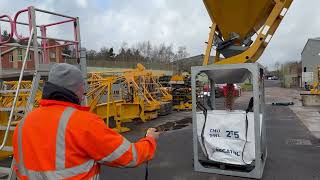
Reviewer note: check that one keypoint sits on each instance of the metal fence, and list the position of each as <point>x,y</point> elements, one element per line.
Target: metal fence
<point>126,64</point>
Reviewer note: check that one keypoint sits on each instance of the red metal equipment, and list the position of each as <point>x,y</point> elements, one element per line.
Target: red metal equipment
<point>43,28</point>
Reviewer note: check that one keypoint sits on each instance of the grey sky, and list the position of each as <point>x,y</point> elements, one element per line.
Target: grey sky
<point>181,23</point>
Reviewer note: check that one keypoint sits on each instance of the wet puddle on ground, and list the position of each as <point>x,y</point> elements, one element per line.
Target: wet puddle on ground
<point>171,126</point>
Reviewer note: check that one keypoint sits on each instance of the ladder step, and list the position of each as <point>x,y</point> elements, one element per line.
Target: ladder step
<point>13,91</point>
<point>4,172</point>
<point>3,128</point>
<point>7,148</point>
<point>9,109</point>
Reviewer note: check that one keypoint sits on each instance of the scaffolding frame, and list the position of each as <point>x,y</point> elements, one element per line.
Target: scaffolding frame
<point>41,67</point>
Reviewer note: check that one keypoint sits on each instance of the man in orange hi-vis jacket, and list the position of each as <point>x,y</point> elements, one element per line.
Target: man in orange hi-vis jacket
<point>62,140</point>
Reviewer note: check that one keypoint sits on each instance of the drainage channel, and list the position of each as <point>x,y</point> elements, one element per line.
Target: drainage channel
<point>171,126</point>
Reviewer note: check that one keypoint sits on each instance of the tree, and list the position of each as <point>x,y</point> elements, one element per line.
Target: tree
<point>169,54</point>
<point>181,53</point>
<point>66,50</point>
<point>140,52</point>
<point>277,66</point>
<point>121,55</point>
<point>92,54</point>
<point>278,69</point>
<point>124,45</point>
<point>111,54</point>
<point>145,48</point>
<point>128,53</point>
<point>5,36</point>
<point>103,53</point>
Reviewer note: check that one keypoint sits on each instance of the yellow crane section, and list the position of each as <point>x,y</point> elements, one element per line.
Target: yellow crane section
<point>129,95</point>
<point>7,93</point>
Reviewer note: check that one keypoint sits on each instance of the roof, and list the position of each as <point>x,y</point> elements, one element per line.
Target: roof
<point>66,55</point>
<point>310,39</point>
<point>197,58</point>
<point>317,38</point>
<point>15,46</point>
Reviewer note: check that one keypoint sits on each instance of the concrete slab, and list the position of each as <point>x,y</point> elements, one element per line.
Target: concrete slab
<point>310,117</point>
<point>310,99</point>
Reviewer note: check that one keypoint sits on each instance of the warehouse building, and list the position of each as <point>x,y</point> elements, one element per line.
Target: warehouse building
<point>310,58</point>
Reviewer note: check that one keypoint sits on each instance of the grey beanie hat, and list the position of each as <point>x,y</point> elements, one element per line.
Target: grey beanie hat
<point>66,76</point>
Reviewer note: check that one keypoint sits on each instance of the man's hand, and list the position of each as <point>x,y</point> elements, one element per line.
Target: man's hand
<point>152,132</point>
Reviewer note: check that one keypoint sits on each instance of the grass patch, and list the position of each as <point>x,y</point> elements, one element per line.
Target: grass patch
<point>246,87</point>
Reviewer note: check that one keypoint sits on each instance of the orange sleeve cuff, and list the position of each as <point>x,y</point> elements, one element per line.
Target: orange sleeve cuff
<point>151,139</point>
<point>152,148</point>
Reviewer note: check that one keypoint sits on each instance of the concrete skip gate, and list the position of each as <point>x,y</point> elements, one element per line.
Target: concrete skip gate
<point>233,73</point>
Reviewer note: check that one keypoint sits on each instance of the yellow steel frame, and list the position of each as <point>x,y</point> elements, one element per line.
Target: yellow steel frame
<point>135,83</point>
<point>138,80</point>
<point>98,87</point>
<point>6,99</point>
<point>177,79</point>
<point>316,85</point>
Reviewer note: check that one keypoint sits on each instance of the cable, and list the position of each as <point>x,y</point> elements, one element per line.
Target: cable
<point>147,171</point>
<point>249,109</point>
<point>205,113</point>
<point>244,146</point>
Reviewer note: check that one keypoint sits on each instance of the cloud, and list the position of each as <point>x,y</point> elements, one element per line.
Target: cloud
<point>82,3</point>
<point>110,23</point>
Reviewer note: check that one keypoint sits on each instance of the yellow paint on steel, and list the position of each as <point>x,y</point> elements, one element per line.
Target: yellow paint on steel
<point>140,96</point>
<point>245,18</point>
<point>4,116</point>
<point>210,44</point>
<point>6,99</point>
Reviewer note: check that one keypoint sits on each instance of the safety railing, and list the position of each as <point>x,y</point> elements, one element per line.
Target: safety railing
<point>33,37</point>
<point>45,45</point>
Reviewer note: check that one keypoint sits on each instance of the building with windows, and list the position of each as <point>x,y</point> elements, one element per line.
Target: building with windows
<point>12,56</point>
<point>310,58</point>
<point>292,74</point>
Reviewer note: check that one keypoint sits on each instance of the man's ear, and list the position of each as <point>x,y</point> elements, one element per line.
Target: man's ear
<point>80,92</point>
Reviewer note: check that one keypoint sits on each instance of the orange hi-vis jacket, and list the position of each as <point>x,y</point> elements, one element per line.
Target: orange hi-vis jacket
<point>61,140</point>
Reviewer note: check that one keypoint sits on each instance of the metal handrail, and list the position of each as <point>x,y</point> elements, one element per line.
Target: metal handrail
<point>54,13</point>
<point>15,24</point>
<point>17,91</point>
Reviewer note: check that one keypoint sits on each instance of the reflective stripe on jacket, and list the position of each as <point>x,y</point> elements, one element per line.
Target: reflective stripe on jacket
<point>61,140</point>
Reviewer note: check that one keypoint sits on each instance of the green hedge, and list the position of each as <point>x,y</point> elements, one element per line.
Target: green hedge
<point>246,87</point>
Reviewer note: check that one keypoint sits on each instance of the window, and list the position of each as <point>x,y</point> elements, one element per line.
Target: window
<point>52,55</point>
<point>10,58</point>
<point>305,69</point>
<point>19,54</point>
<point>29,57</point>
<point>19,51</point>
